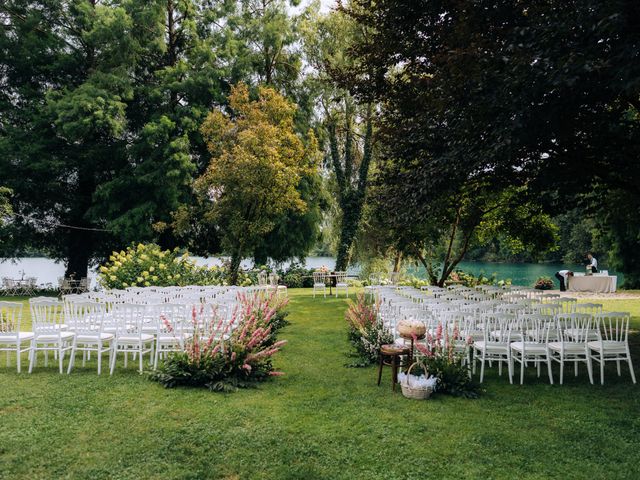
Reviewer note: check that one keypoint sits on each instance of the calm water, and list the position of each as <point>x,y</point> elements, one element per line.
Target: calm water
<point>47,270</point>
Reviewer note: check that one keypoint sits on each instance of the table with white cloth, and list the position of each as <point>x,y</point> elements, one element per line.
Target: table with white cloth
<point>593,283</point>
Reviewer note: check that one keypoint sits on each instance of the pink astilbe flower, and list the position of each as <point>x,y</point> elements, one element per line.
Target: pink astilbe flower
<point>246,338</point>
<point>166,323</point>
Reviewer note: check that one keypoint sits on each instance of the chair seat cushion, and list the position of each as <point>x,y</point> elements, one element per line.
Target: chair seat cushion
<point>609,346</point>
<point>12,337</point>
<point>54,337</point>
<point>88,338</point>
<point>532,347</point>
<point>145,337</point>
<point>342,284</point>
<point>576,332</point>
<point>491,347</point>
<point>569,347</point>
<point>317,285</point>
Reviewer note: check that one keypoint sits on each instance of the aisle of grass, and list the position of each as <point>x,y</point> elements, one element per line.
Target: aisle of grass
<point>321,420</point>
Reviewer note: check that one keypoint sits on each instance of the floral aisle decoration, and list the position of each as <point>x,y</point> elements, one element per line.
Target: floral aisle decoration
<point>543,283</point>
<point>443,352</point>
<point>223,355</point>
<point>366,334</point>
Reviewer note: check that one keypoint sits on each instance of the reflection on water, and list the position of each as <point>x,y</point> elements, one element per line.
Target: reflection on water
<point>48,271</point>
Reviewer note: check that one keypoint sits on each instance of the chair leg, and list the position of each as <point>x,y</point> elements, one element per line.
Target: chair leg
<point>73,356</point>
<point>510,370</point>
<point>482,368</point>
<point>112,358</point>
<point>549,370</point>
<point>561,369</point>
<point>32,356</point>
<point>633,374</point>
<point>589,368</point>
<point>99,356</point>
<point>140,354</point>
<point>618,365</point>
<point>521,369</point>
<point>155,356</point>
<point>60,358</point>
<point>602,368</point>
<point>18,355</point>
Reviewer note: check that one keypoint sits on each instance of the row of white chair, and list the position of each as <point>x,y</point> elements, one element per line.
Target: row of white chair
<point>80,325</point>
<point>488,322</point>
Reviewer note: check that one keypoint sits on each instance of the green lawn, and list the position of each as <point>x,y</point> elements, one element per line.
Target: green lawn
<point>320,421</point>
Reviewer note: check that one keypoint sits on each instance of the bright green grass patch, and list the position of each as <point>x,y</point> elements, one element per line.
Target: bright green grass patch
<point>320,421</point>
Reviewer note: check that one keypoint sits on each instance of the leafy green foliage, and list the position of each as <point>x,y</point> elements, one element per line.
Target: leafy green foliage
<point>5,205</point>
<point>145,265</point>
<point>257,164</point>
<point>347,127</point>
<point>495,95</point>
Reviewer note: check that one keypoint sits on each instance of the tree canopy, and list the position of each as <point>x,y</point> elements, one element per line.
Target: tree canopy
<point>538,96</point>
<point>258,162</point>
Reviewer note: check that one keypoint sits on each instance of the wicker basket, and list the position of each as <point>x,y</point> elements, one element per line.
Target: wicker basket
<point>407,329</point>
<point>415,392</point>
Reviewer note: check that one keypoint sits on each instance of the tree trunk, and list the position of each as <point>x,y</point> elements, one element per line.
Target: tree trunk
<point>79,249</point>
<point>397,262</point>
<point>351,214</point>
<point>234,267</point>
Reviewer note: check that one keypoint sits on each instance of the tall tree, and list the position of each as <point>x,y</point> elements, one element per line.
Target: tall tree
<point>257,164</point>
<point>177,80</point>
<point>264,34</point>
<point>65,75</point>
<point>537,95</point>
<point>347,125</point>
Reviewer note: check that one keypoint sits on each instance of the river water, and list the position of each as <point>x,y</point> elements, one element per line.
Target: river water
<point>47,271</point>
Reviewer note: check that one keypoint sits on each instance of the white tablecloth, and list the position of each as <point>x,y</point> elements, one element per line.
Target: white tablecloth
<point>593,283</point>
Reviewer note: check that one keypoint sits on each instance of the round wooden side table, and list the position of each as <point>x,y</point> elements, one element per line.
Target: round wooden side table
<point>391,355</point>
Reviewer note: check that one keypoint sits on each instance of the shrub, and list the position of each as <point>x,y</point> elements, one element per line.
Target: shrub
<point>148,265</point>
<point>441,359</point>
<point>469,280</point>
<point>228,356</point>
<point>296,276</point>
<point>365,334</point>
<point>543,283</point>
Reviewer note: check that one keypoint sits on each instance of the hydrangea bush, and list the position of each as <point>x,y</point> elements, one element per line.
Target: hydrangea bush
<point>147,265</point>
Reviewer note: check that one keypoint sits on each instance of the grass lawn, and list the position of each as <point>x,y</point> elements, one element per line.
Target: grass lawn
<point>320,421</point>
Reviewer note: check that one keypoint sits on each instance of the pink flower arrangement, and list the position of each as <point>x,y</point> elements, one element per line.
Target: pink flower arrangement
<point>240,346</point>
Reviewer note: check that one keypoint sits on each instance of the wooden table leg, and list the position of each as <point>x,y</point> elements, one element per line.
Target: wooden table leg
<point>380,368</point>
<point>394,371</point>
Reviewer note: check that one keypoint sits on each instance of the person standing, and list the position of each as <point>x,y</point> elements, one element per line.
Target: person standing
<point>563,278</point>
<point>593,263</point>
